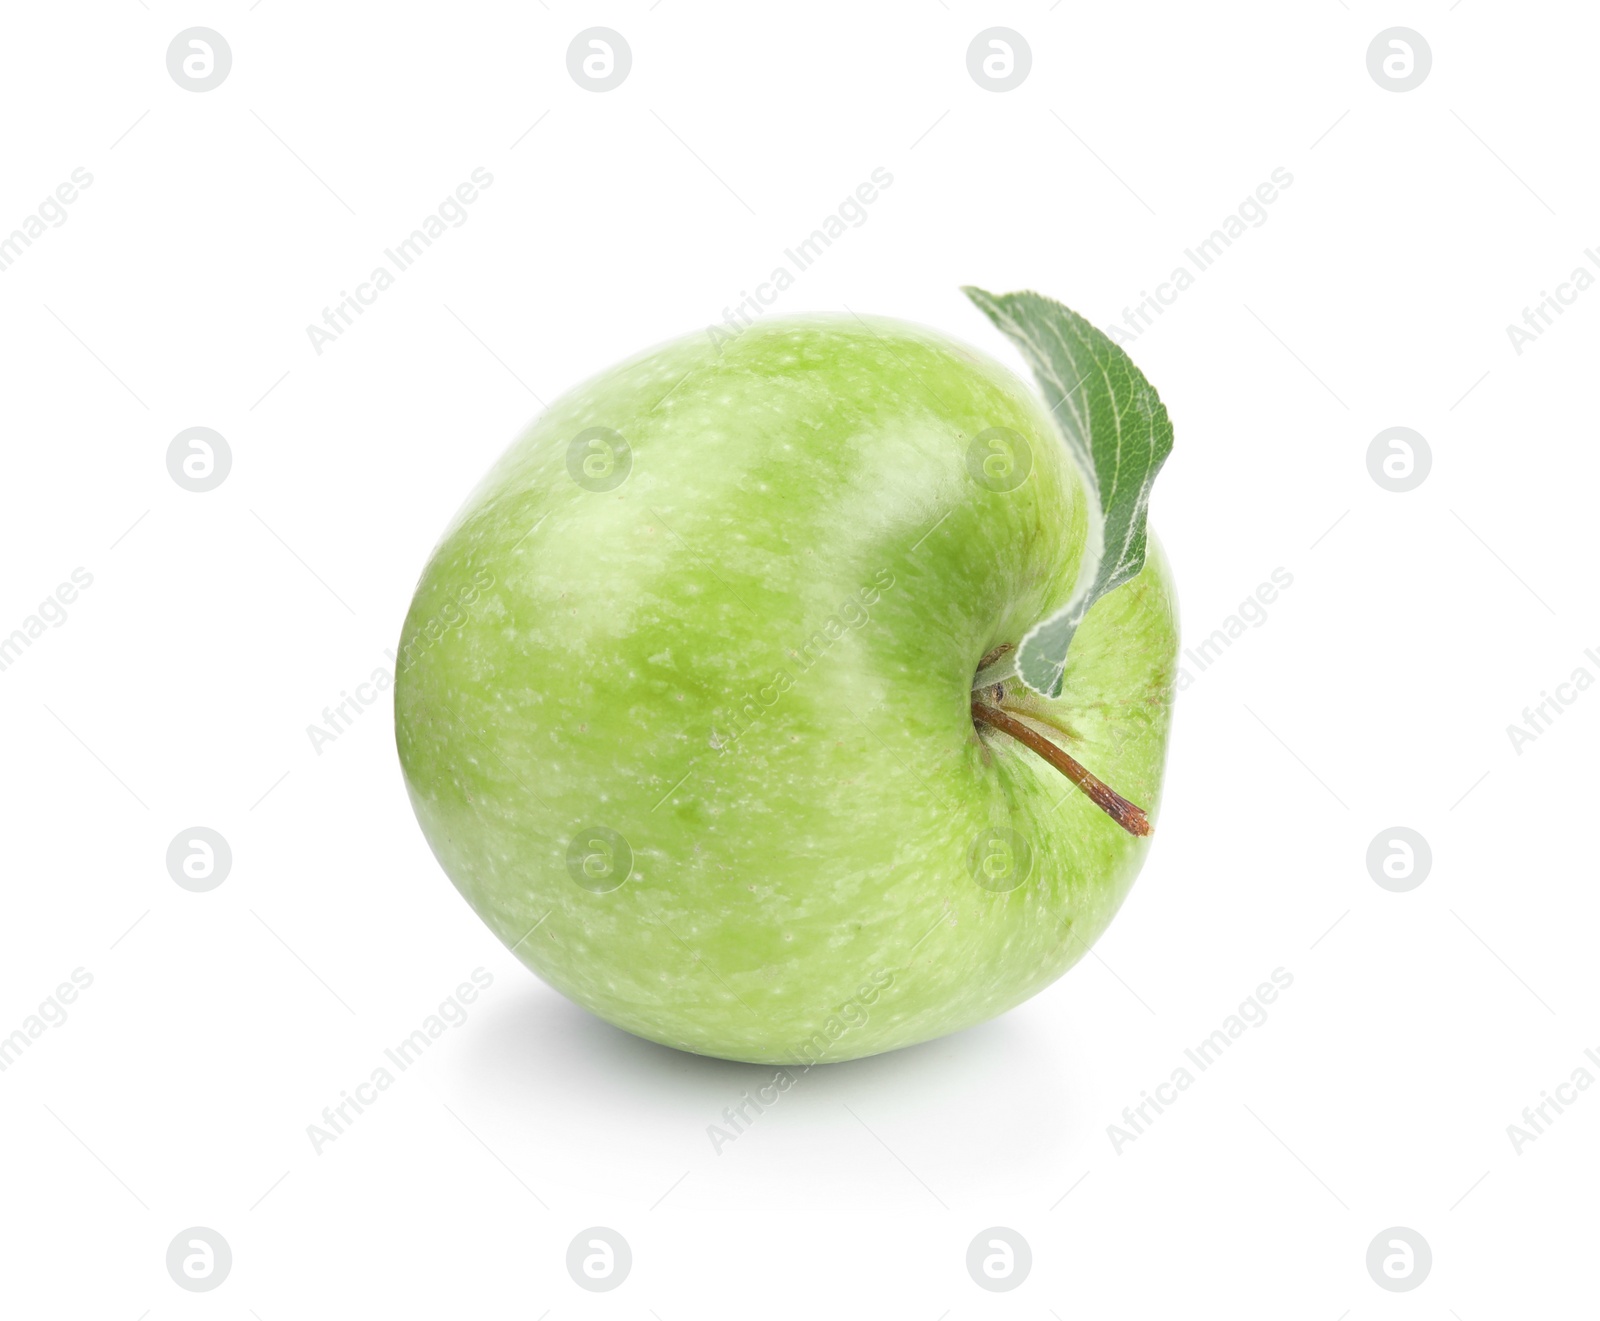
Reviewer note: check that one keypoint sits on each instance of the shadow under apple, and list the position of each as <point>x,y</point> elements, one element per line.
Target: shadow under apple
<point>580,1089</point>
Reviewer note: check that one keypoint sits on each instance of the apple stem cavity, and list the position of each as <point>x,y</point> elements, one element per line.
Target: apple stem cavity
<point>997,670</point>
<point>1108,800</point>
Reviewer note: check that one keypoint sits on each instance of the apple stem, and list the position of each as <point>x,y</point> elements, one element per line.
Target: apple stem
<point>1108,800</point>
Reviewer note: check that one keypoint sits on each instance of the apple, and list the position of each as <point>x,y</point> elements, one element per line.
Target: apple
<point>685,698</point>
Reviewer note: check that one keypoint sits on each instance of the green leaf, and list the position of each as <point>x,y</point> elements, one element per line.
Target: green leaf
<point>1118,433</point>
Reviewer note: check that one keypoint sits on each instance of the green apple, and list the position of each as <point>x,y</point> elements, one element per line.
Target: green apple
<point>685,696</point>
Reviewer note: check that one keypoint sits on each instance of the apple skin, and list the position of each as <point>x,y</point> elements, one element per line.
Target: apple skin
<point>752,661</point>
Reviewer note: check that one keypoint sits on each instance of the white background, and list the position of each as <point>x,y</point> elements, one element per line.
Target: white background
<point>1378,692</point>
